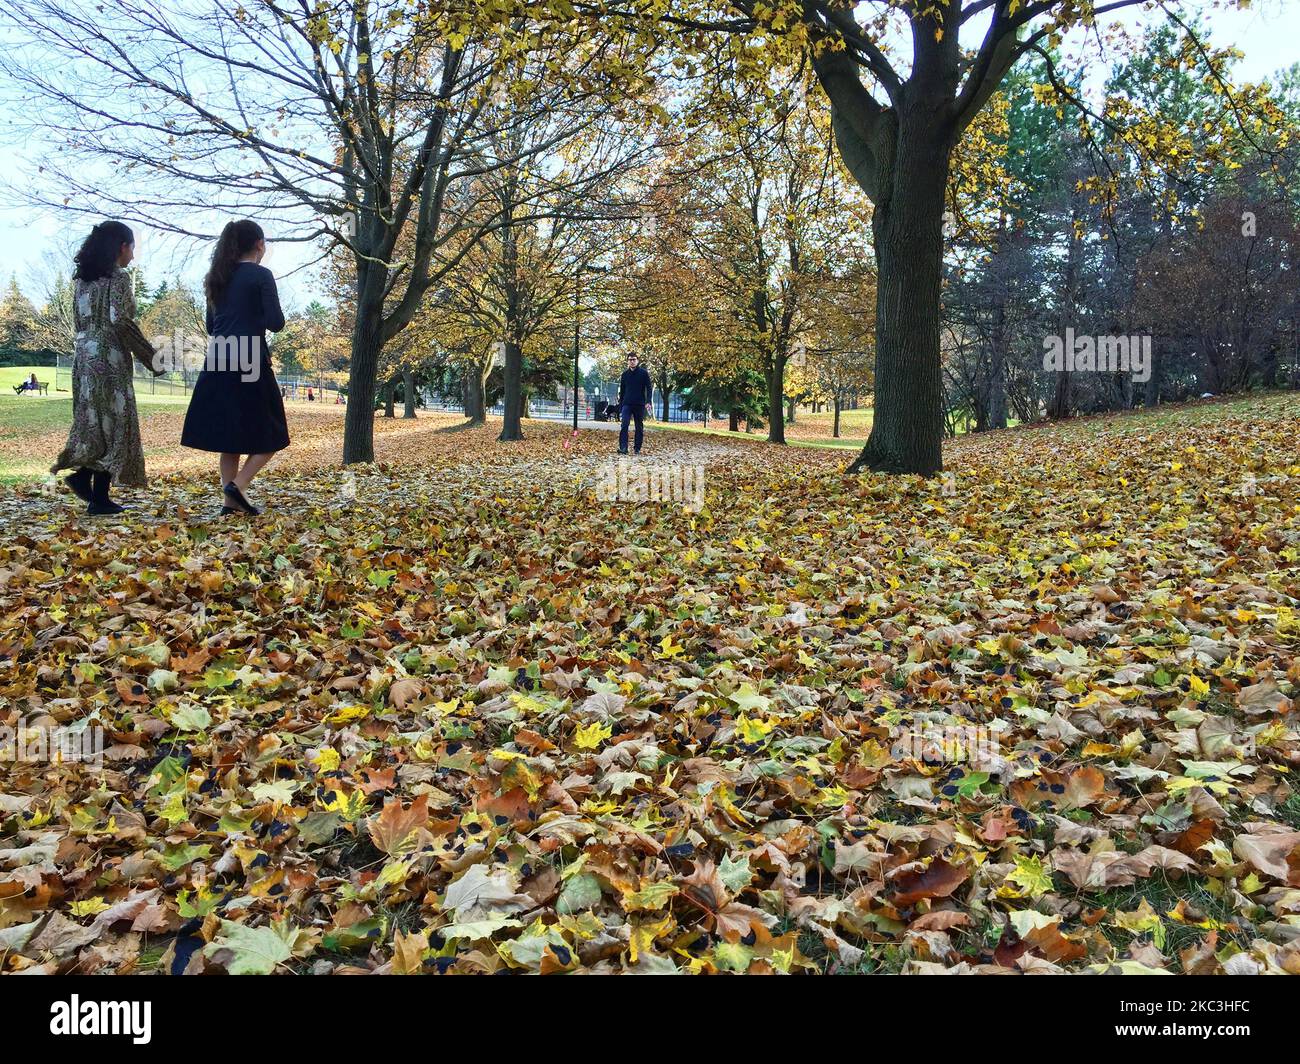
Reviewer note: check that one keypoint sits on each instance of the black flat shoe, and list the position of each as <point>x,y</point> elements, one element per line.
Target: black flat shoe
<point>235,498</point>
<point>79,484</point>
<point>104,509</point>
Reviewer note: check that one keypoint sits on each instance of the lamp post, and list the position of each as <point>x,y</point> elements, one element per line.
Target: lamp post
<point>577,329</point>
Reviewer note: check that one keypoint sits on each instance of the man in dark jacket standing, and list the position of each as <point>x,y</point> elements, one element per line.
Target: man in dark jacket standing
<point>634,391</point>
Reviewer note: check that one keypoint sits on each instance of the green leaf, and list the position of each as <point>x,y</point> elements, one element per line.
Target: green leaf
<point>257,950</point>
<point>580,892</point>
<point>736,875</point>
<point>191,718</point>
<point>732,956</point>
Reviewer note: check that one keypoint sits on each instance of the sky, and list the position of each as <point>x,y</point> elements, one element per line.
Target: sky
<point>32,243</point>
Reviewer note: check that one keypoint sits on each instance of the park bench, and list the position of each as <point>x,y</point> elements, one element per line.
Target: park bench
<point>43,387</point>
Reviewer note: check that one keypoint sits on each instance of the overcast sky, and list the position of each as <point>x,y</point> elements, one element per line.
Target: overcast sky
<point>1267,33</point>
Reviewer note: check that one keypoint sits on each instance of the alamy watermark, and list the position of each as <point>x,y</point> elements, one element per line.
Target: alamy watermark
<point>1072,353</point>
<point>77,1017</point>
<point>969,744</point>
<point>625,481</point>
<point>220,354</point>
<point>347,492</point>
<point>51,745</point>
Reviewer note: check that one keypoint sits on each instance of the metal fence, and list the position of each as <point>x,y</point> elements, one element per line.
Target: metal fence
<point>588,406</point>
<point>181,383</point>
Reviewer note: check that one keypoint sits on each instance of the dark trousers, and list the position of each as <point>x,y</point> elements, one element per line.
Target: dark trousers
<point>630,413</point>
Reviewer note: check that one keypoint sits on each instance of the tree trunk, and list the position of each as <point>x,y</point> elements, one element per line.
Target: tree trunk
<point>1061,400</point>
<point>408,392</point>
<point>359,419</point>
<point>907,229</point>
<point>836,433</point>
<point>1151,390</point>
<point>733,421</point>
<point>390,390</point>
<point>512,401</point>
<point>475,398</point>
<point>513,368</point>
<point>997,394</point>
<point>789,417</point>
<point>775,400</point>
<point>664,396</point>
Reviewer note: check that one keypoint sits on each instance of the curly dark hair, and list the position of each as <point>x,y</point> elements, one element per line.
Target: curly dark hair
<point>99,252</point>
<point>237,239</point>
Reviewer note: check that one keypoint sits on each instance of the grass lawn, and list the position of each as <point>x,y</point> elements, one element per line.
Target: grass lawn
<point>10,376</point>
<point>31,430</point>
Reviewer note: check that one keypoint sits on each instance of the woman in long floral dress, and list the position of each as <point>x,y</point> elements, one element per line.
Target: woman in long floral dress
<point>104,442</point>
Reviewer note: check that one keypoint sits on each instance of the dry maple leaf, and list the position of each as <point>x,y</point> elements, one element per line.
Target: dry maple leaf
<point>394,829</point>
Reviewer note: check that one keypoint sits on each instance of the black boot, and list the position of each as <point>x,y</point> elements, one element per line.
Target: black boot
<point>100,503</point>
<point>79,484</point>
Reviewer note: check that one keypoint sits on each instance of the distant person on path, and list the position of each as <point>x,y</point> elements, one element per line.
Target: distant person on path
<point>311,396</point>
<point>104,441</point>
<point>236,407</point>
<point>634,391</point>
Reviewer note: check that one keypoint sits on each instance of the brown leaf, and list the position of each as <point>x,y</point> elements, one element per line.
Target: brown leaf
<point>705,887</point>
<point>1270,853</point>
<point>940,920</point>
<point>393,830</point>
<point>939,880</point>
<point>404,692</point>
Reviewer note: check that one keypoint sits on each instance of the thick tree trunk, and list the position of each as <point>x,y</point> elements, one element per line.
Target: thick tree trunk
<point>408,392</point>
<point>390,390</point>
<point>664,396</point>
<point>475,398</point>
<point>513,400</point>
<point>775,401</point>
<point>907,429</point>
<point>359,418</point>
<point>513,362</point>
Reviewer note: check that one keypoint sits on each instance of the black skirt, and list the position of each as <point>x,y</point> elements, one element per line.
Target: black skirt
<point>232,414</point>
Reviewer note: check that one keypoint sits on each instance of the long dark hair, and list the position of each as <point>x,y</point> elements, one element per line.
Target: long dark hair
<point>99,252</point>
<point>237,239</point>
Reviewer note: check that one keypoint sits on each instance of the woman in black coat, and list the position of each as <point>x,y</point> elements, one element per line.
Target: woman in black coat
<point>236,407</point>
